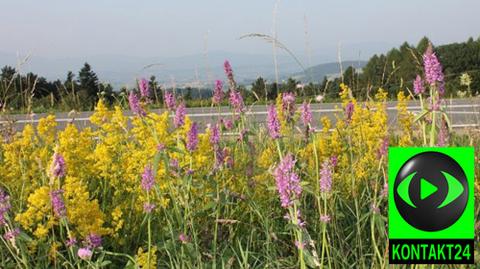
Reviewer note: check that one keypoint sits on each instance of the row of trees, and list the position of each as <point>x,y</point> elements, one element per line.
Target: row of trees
<point>392,71</point>
<point>27,91</point>
<point>397,68</point>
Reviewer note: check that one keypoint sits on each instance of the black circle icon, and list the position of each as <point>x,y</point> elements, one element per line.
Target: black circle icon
<point>421,199</point>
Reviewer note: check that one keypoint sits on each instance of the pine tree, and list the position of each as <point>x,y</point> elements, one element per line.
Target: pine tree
<point>88,83</point>
<point>422,45</point>
<point>259,88</point>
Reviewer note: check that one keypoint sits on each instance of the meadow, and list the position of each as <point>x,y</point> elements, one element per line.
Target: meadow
<point>156,191</point>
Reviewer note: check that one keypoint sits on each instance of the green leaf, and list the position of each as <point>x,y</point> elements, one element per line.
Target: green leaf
<point>290,227</point>
<point>130,265</point>
<point>447,120</point>
<point>271,188</point>
<point>421,115</point>
<point>209,206</point>
<point>105,263</point>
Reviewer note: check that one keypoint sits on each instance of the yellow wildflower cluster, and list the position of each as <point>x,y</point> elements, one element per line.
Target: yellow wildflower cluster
<point>84,215</point>
<point>38,218</point>
<point>354,141</point>
<point>109,159</point>
<point>281,116</point>
<point>143,261</point>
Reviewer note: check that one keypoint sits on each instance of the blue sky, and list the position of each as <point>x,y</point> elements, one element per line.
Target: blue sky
<point>59,28</point>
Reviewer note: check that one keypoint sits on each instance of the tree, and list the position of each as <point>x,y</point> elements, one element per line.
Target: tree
<point>88,83</point>
<point>7,74</point>
<point>69,79</point>
<point>246,94</point>
<point>188,96</point>
<point>272,91</point>
<point>259,87</point>
<point>290,86</point>
<point>156,90</point>
<point>349,77</point>
<point>373,71</point>
<point>423,44</point>
<point>310,89</point>
<point>106,91</point>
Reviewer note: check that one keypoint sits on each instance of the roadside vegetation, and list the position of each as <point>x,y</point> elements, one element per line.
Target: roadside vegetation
<point>293,193</point>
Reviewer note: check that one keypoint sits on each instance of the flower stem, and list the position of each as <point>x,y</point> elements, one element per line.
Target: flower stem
<point>432,130</point>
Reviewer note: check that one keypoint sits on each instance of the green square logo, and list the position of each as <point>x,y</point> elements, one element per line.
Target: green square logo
<point>431,200</point>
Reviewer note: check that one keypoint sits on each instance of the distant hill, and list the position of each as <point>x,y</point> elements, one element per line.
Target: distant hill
<point>120,70</point>
<point>316,73</point>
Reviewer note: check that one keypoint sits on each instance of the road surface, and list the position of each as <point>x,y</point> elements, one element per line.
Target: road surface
<point>463,113</point>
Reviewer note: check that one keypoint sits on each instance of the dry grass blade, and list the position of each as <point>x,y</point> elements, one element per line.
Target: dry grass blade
<point>278,44</point>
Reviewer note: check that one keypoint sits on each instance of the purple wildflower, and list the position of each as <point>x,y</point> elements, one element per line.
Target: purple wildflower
<point>72,241</point>
<point>433,68</point>
<point>143,87</point>
<point>57,168</point>
<point>228,124</point>
<point>148,207</point>
<point>349,111</point>
<point>147,178</point>
<point>273,123</point>
<point>84,253</point>
<point>326,174</point>
<point>179,119</point>
<point>218,92</point>
<point>418,87</point>
<point>174,163</point>
<point>229,72</point>
<point>219,157</point>
<point>288,99</point>
<point>306,114</point>
<point>442,134</point>
<point>215,135</point>
<point>299,245</point>
<point>334,161</point>
<point>383,150</point>
<point>438,103</point>
<point>325,218</point>
<point>287,181</point>
<point>288,105</point>
<point>135,105</point>
<point>4,206</point>
<point>58,204</point>
<point>93,240</point>
<point>169,100</point>
<point>300,222</point>
<point>192,137</point>
<point>160,147</point>
<point>441,88</point>
<point>236,101</point>
<point>11,235</point>
<point>242,135</point>
<point>183,238</point>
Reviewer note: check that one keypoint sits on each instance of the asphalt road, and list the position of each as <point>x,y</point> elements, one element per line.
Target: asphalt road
<point>463,113</point>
